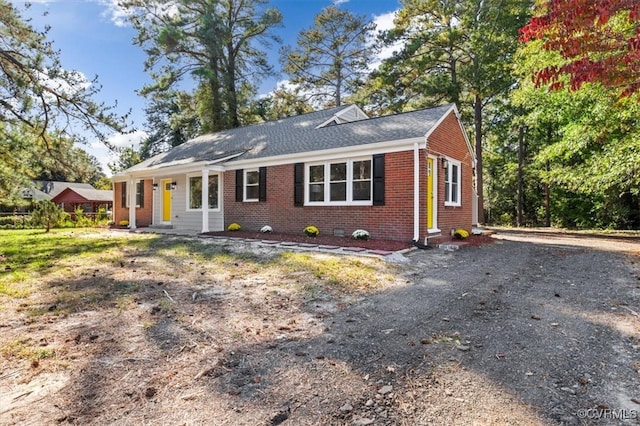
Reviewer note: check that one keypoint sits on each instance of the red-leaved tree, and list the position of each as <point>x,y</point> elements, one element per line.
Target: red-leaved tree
<point>599,39</point>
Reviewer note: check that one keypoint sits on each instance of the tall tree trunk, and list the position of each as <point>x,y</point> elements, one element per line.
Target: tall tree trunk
<point>338,65</point>
<point>232,94</point>
<point>547,201</point>
<point>547,188</point>
<point>477,108</point>
<point>520,184</point>
<point>216,104</point>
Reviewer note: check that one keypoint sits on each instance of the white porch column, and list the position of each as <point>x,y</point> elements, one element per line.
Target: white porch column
<point>132,203</point>
<point>416,192</point>
<point>205,200</point>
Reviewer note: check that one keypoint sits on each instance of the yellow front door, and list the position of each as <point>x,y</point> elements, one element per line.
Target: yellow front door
<point>166,200</point>
<point>430,173</point>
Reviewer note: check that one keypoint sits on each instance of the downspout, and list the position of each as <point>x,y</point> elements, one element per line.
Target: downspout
<point>154,194</point>
<point>416,192</point>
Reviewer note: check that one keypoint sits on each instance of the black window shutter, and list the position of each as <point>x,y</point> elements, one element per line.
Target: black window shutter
<point>140,194</point>
<point>123,194</point>
<point>378,180</point>
<point>298,184</point>
<point>239,185</point>
<point>262,184</point>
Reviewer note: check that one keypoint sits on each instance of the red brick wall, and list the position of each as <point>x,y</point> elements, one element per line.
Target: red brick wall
<point>119,213</point>
<point>393,221</point>
<point>69,199</point>
<point>144,215</point>
<point>448,140</point>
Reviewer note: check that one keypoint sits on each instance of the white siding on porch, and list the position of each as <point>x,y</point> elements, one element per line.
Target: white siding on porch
<point>182,219</point>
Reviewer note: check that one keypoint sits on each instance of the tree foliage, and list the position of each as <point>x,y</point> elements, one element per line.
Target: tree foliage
<point>451,51</point>
<point>582,160</point>
<point>47,214</point>
<point>212,44</point>
<point>128,157</point>
<point>171,121</point>
<point>283,102</point>
<point>44,111</point>
<point>599,41</point>
<point>332,57</point>
<point>37,92</point>
<point>24,157</point>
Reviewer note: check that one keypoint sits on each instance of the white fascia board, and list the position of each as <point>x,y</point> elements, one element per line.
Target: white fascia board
<point>462,129</point>
<point>160,171</point>
<point>329,154</point>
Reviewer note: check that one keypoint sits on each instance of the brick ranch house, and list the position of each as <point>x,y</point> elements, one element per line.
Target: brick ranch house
<point>406,177</point>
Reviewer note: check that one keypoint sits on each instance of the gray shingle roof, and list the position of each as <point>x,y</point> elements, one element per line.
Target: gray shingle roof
<point>96,195</point>
<point>297,135</point>
<point>53,187</point>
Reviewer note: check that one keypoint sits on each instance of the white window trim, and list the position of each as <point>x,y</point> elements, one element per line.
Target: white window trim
<point>447,196</point>
<point>244,186</point>
<point>188,194</point>
<point>327,183</point>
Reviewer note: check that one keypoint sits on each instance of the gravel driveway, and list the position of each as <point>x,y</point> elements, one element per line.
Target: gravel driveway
<point>537,328</point>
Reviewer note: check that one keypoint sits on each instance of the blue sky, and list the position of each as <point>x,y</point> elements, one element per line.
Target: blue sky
<point>94,39</point>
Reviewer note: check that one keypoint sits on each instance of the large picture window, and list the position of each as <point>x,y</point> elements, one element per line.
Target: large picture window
<point>340,182</point>
<point>452,184</point>
<point>195,192</point>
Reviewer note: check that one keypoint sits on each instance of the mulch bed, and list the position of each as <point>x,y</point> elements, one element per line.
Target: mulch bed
<point>329,240</point>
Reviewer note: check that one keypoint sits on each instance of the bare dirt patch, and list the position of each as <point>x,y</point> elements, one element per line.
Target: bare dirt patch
<point>190,331</point>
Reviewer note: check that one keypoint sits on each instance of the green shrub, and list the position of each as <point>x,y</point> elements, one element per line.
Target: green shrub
<point>82,220</point>
<point>47,214</point>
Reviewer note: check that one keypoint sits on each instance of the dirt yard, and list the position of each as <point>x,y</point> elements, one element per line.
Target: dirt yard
<point>536,328</point>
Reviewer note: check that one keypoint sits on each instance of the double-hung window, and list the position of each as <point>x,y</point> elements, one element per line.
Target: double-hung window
<point>340,182</point>
<point>452,183</point>
<point>195,193</point>
<point>251,185</point>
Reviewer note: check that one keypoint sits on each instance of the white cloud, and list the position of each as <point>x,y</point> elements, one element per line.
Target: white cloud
<point>384,22</point>
<point>127,140</point>
<point>339,2</point>
<point>119,140</point>
<point>120,15</point>
<point>115,13</point>
<point>73,83</point>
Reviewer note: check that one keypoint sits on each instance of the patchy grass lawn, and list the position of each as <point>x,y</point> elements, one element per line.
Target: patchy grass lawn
<point>99,326</point>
